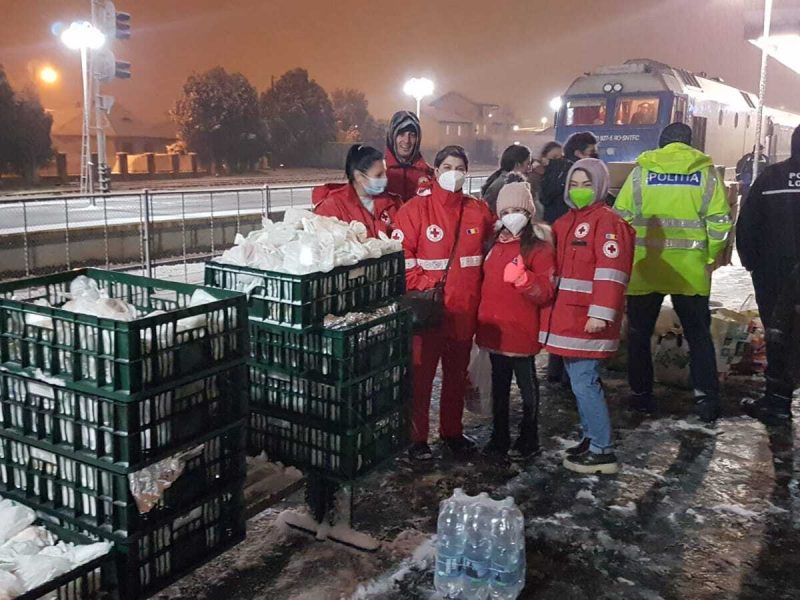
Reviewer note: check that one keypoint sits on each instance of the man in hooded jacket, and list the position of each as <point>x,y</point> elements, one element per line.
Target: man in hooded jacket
<point>678,206</point>
<point>768,241</point>
<point>406,169</point>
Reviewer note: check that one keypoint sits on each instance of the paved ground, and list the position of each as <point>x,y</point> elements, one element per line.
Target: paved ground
<point>698,512</point>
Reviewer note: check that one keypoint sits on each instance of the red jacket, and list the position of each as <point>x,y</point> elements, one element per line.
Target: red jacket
<point>426,227</point>
<point>594,249</point>
<point>406,180</point>
<point>508,317</point>
<point>340,200</point>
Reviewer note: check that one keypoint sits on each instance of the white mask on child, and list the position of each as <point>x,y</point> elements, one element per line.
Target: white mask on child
<point>515,222</point>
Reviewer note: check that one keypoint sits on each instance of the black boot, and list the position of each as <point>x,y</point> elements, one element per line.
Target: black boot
<point>644,403</point>
<point>527,443</point>
<point>501,438</point>
<point>770,409</point>
<point>707,408</point>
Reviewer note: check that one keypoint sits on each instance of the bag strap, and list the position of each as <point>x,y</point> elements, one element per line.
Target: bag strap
<point>455,245</point>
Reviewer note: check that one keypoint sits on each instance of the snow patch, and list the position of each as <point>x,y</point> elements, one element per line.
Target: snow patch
<point>696,516</point>
<point>735,509</point>
<point>629,510</point>
<point>626,581</point>
<point>421,559</point>
<point>586,495</point>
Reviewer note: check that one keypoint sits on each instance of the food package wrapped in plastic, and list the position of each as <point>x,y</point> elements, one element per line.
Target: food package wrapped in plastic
<point>77,555</point>
<point>147,485</point>
<point>37,570</point>
<point>10,585</point>
<point>352,319</point>
<point>14,518</point>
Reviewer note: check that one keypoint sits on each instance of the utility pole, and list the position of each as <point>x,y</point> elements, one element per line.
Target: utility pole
<point>762,87</point>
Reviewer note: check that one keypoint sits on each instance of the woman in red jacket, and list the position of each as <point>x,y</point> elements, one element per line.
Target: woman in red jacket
<point>594,249</point>
<point>517,280</point>
<point>364,197</point>
<point>430,227</point>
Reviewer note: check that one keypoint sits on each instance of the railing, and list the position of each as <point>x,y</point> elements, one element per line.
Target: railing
<point>41,233</point>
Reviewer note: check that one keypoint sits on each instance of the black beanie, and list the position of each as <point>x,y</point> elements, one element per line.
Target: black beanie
<point>675,132</point>
<point>796,143</point>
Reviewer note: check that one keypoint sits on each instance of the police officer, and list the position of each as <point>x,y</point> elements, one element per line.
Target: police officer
<point>768,241</point>
<point>677,205</point>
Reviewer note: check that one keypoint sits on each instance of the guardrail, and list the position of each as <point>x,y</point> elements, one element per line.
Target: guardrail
<point>42,233</point>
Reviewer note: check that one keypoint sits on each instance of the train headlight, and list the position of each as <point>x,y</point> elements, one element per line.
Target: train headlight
<point>608,88</point>
<point>617,87</point>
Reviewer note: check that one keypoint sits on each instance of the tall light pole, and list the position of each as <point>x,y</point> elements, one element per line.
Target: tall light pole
<point>84,36</point>
<point>555,105</point>
<point>418,88</point>
<point>762,86</point>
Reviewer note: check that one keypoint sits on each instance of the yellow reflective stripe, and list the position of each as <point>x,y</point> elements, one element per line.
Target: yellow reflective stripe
<point>660,223</point>
<point>662,244</point>
<point>719,219</point>
<point>636,180</point>
<point>708,194</point>
<point>717,235</point>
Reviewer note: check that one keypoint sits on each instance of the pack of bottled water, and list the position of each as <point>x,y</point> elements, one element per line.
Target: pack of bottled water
<point>480,549</point>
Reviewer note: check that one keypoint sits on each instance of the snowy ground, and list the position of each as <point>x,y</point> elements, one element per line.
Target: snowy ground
<point>700,513</point>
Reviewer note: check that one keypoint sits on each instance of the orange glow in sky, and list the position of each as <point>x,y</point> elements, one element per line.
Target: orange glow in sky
<point>48,75</point>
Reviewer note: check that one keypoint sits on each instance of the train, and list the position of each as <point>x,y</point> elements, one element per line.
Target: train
<point>626,106</point>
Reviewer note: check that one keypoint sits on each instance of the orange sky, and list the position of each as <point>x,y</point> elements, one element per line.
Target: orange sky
<point>515,52</point>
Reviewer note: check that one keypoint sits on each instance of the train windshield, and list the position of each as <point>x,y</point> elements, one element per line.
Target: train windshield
<point>636,111</point>
<point>586,111</point>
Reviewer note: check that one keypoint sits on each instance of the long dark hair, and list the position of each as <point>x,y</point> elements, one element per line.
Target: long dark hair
<point>360,158</point>
<point>548,147</point>
<point>512,156</point>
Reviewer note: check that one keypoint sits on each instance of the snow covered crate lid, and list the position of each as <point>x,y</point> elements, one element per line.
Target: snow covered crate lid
<point>301,301</point>
<point>116,334</point>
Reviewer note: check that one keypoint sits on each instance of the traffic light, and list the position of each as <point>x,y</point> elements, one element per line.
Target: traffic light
<point>122,24</point>
<point>122,69</point>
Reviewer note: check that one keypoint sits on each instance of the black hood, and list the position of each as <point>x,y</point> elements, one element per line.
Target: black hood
<point>675,133</point>
<point>404,119</point>
<point>796,143</point>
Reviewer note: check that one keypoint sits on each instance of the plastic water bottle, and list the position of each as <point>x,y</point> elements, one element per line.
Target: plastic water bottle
<point>477,550</point>
<point>508,555</point>
<point>449,548</point>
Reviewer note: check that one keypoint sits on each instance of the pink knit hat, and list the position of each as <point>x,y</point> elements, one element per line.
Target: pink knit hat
<point>516,195</point>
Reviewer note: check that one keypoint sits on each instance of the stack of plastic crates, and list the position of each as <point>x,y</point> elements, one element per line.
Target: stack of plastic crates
<point>333,402</point>
<point>94,412</point>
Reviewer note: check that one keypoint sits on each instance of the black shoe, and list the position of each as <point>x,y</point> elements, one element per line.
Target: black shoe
<point>592,464</point>
<point>525,447</point>
<point>707,409</point>
<point>579,449</point>
<point>460,446</point>
<point>644,403</point>
<point>420,452</point>
<point>496,448</point>
<point>770,409</point>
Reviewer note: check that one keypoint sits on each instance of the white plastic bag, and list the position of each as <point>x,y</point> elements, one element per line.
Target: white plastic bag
<point>479,392</point>
<point>671,360</point>
<point>10,586</point>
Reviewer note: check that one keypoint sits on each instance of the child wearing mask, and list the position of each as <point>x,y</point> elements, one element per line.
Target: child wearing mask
<point>594,250</point>
<point>517,280</point>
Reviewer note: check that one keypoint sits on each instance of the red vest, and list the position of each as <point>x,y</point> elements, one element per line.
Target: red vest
<point>508,317</point>
<point>426,225</point>
<point>594,249</point>
<point>340,200</point>
<point>405,180</point>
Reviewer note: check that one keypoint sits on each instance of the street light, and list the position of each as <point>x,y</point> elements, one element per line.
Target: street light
<point>418,88</point>
<point>555,105</point>
<point>83,36</point>
<point>544,121</point>
<point>48,75</point>
<point>762,85</point>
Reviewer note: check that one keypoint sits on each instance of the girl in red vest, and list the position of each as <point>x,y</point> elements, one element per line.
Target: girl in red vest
<point>363,198</point>
<point>594,249</point>
<point>517,280</point>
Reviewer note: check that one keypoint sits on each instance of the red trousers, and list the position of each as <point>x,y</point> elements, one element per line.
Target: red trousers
<point>428,348</point>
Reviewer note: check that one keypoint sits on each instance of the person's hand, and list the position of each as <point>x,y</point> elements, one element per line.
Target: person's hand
<point>595,325</point>
<point>514,270</point>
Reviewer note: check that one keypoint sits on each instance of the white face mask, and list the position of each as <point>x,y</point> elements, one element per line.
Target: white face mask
<point>452,181</point>
<point>515,222</point>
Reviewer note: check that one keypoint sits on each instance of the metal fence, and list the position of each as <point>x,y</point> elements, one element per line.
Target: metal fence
<point>144,229</point>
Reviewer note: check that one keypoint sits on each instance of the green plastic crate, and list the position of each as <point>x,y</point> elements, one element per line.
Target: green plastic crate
<point>100,500</point>
<point>301,301</point>
<point>345,455</point>
<point>121,436</point>
<point>334,355</point>
<point>174,546</point>
<point>331,406</point>
<point>95,580</point>
<point>124,357</point>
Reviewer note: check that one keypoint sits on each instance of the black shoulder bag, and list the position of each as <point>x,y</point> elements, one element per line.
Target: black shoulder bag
<point>427,306</point>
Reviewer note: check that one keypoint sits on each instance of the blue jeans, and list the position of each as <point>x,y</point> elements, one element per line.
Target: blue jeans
<point>584,375</point>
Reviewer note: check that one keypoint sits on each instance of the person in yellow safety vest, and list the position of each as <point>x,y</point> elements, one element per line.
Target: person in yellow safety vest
<point>677,204</point>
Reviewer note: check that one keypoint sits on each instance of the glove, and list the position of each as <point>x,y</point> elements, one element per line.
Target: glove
<point>515,271</point>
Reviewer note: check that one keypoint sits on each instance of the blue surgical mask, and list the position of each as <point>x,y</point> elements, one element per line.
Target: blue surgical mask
<point>375,186</point>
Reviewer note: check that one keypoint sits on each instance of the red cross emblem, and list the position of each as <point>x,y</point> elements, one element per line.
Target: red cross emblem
<point>434,233</point>
<point>611,249</point>
<point>582,230</point>
<point>386,218</point>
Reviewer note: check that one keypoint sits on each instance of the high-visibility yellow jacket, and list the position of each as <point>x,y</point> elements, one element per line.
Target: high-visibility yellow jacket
<point>676,203</point>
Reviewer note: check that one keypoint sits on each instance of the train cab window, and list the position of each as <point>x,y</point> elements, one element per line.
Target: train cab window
<point>586,111</point>
<point>721,117</point>
<point>636,111</point>
<point>735,120</point>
